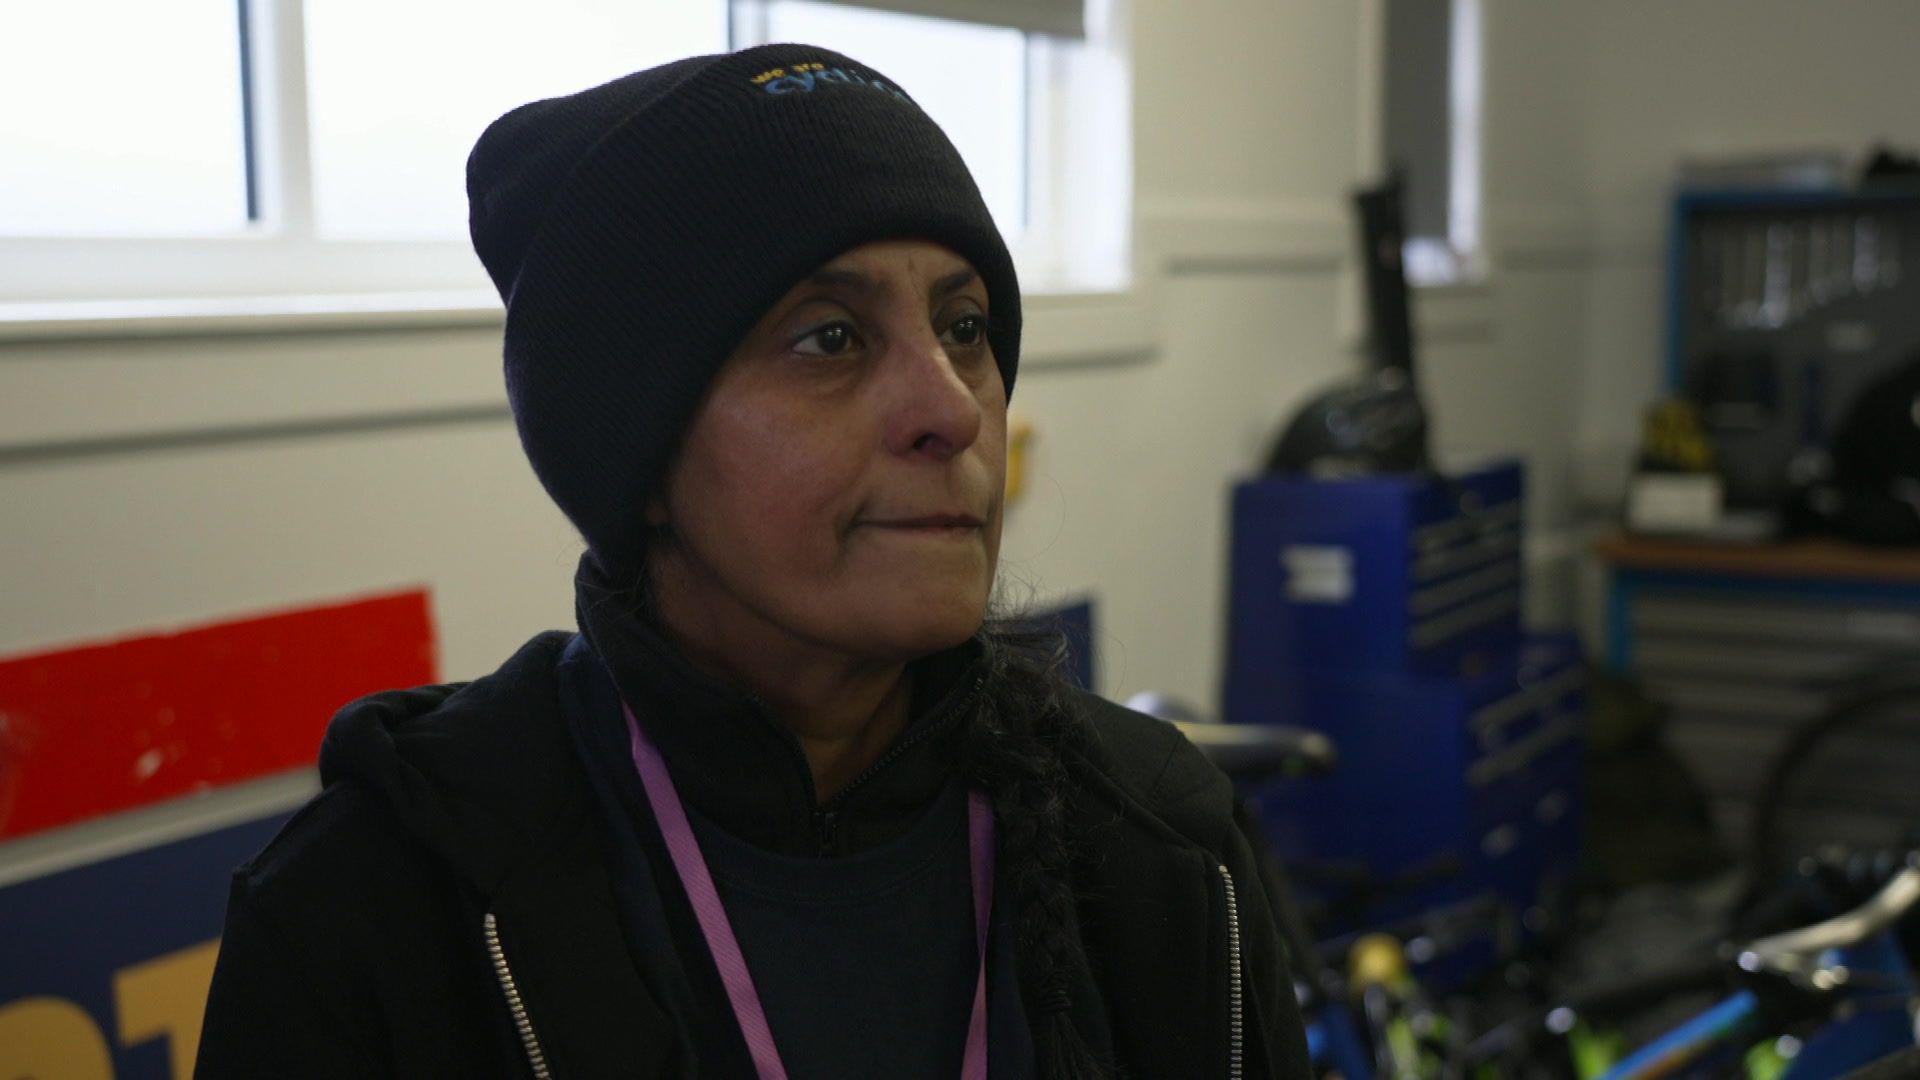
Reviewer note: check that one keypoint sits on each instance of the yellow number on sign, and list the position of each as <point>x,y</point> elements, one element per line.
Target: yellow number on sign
<point>49,1038</point>
<point>167,996</point>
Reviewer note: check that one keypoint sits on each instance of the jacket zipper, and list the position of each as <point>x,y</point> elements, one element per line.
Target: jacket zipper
<point>825,826</point>
<point>1235,1047</point>
<point>516,1006</point>
<point>826,818</point>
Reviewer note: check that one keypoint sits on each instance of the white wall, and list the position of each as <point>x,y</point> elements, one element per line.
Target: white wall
<point>1250,127</point>
<point>1247,114</point>
<point>180,480</point>
<point>1245,119</point>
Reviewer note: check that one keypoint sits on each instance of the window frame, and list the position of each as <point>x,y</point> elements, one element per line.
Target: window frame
<point>1460,259</point>
<point>277,252</point>
<point>278,255</point>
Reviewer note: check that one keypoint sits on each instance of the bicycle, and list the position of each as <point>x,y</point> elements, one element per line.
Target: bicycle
<point>1809,1003</point>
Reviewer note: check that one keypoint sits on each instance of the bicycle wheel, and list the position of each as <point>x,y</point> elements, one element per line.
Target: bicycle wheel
<point>1845,778</point>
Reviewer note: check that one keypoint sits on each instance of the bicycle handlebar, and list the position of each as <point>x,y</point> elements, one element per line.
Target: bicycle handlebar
<point>1797,952</point>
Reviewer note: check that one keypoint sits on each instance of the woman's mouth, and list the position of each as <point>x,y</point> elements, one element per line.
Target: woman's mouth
<point>934,524</point>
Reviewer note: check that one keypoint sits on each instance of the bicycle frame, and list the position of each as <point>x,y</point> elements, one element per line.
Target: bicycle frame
<point>1881,984</point>
<point>1852,961</point>
<point>1334,1042</point>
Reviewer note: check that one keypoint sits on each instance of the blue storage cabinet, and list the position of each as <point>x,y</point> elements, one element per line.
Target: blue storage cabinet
<point>1386,573</point>
<point>1483,768</point>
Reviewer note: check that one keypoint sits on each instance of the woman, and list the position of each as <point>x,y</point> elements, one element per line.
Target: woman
<point>789,803</point>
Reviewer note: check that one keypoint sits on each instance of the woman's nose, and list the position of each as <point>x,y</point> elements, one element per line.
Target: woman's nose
<point>932,410</point>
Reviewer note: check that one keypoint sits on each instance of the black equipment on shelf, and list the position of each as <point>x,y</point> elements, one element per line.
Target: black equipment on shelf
<point>1374,422</point>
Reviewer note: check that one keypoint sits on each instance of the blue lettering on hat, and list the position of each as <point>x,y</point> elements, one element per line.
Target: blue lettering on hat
<point>805,78</point>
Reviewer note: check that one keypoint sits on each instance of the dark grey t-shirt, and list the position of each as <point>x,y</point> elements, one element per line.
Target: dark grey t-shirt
<point>866,964</point>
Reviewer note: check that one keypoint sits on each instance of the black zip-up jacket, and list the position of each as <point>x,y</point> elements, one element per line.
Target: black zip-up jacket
<point>444,907</point>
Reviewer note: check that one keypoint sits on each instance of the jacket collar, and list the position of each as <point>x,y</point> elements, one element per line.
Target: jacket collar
<point>735,764</point>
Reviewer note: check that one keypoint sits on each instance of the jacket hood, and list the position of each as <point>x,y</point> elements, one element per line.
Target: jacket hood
<point>481,772</point>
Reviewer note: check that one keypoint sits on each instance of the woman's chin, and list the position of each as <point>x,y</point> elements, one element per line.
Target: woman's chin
<point>909,632</point>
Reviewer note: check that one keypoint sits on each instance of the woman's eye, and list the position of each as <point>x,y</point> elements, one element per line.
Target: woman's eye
<point>829,340</point>
<point>968,330</point>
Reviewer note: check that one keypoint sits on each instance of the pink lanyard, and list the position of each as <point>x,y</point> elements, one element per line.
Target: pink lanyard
<point>714,926</point>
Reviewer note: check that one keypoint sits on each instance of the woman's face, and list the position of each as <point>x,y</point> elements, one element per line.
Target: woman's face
<point>841,484</point>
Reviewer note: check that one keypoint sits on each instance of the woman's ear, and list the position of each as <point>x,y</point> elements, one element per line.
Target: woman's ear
<point>658,517</point>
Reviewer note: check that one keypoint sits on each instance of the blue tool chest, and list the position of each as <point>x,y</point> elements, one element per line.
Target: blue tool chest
<point>1415,574</point>
<point>1385,611</point>
<point>1481,772</point>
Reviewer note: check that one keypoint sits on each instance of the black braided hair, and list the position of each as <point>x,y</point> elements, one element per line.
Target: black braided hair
<point>1013,750</point>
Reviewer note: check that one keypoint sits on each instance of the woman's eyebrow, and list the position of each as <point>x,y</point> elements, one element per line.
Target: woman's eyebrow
<point>952,283</point>
<point>850,280</point>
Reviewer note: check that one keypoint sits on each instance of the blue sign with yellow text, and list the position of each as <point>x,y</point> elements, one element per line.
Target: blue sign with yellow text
<point>104,967</point>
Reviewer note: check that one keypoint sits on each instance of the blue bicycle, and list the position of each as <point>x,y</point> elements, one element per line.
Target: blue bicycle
<point>1811,1003</point>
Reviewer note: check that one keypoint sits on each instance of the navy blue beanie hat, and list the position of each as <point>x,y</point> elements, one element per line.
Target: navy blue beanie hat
<point>639,229</point>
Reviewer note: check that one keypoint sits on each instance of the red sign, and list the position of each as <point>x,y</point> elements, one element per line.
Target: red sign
<point>90,730</point>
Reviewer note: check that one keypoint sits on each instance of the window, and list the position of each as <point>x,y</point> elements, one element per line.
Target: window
<point>1431,130</point>
<point>135,131</point>
<point>244,148</point>
<point>398,90</point>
